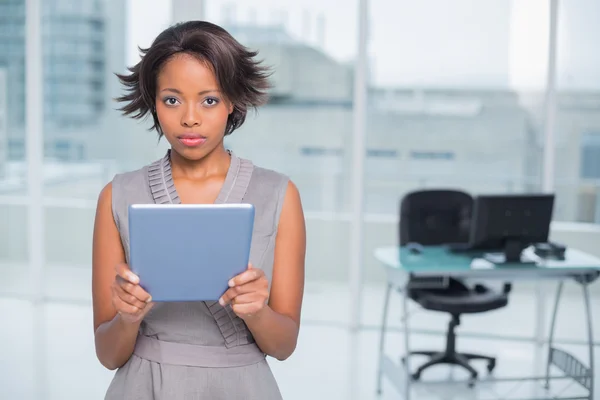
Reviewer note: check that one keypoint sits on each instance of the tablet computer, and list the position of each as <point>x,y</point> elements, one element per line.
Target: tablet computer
<point>189,252</point>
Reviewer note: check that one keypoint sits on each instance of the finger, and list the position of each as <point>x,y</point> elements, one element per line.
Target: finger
<point>124,272</point>
<point>228,296</point>
<point>126,308</point>
<point>249,275</point>
<point>236,291</point>
<point>247,298</point>
<point>141,294</point>
<point>134,290</point>
<point>129,298</point>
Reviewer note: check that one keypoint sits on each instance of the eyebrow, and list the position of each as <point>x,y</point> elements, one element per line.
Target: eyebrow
<point>179,91</point>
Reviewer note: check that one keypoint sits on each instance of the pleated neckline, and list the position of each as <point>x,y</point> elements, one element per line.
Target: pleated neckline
<point>162,186</point>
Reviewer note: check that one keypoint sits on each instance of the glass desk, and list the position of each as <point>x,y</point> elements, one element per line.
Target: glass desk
<point>435,265</point>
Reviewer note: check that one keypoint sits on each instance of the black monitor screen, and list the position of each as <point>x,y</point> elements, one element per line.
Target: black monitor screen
<point>511,222</point>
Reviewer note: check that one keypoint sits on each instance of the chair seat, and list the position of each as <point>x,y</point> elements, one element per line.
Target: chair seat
<point>458,299</point>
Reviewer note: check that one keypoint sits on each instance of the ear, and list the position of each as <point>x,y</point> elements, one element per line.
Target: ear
<point>231,107</point>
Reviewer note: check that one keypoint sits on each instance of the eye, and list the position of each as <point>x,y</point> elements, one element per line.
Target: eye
<point>210,101</point>
<point>170,101</point>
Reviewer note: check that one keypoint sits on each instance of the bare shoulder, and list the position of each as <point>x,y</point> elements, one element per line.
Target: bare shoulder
<point>105,196</point>
<point>292,196</point>
<point>291,219</point>
<point>104,210</point>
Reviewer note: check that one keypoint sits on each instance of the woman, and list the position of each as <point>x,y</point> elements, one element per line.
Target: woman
<point>197,82</point>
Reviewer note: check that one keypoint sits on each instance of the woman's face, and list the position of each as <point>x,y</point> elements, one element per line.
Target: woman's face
<point>191,109</point>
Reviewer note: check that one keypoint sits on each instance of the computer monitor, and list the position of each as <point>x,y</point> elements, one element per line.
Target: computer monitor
<point>504,225</point>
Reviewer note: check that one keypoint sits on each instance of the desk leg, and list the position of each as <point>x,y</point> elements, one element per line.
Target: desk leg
<point>386,306</point>
<point>540,316</point>
<point>552,328</point>
<point>588,313</point>
<point>408,376</point>
<point>564,361</point>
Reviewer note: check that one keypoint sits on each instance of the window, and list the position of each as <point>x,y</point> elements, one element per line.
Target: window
<point>461,108</point>
<point>590,156</point>
<point>578,112</point>
<point>16,149</point>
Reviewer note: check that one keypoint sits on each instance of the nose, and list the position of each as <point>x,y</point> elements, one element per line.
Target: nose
<point>190,117</point>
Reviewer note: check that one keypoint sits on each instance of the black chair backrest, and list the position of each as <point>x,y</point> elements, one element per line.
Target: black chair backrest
<point>435,217</point>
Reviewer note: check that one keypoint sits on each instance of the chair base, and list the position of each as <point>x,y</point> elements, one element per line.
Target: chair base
<point>451,357</point>
<point>459,359</point>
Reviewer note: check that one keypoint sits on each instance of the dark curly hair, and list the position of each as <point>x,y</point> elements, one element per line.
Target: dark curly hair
<point>242,79</point>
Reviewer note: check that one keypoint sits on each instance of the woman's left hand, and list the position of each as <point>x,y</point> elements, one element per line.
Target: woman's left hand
<point>248,293</point>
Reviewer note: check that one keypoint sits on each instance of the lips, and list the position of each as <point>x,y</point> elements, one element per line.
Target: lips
<point>191,139</point>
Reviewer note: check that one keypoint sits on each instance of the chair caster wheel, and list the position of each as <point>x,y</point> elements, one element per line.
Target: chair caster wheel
<point>491,365</point>
<point>471,382</point>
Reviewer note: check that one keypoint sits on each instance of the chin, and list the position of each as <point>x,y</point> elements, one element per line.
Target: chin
<point>191,154</point>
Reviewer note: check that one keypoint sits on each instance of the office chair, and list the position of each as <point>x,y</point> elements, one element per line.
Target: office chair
<point>437,217</point>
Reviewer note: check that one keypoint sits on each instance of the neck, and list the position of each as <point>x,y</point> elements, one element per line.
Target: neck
<point>214,163</point>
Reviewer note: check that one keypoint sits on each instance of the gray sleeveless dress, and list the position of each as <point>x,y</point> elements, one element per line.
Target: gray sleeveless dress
<point>199,350</point>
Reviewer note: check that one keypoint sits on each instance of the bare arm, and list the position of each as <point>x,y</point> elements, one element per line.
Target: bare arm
<point>119,304</point>
<point>275,326</point>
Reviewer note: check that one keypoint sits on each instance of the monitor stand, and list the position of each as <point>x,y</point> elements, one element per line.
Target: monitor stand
<point>512,254</point>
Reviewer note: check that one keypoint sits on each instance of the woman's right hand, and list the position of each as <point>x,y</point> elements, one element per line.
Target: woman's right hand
<point>129,299</point>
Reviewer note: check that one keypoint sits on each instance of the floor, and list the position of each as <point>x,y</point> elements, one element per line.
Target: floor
<point>47,352</point>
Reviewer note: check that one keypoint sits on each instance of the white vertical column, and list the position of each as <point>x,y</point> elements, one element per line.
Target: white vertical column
<point>34,94</point>
<point>549,147</point>
<point>359,113</point>
<point>550,101</point>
